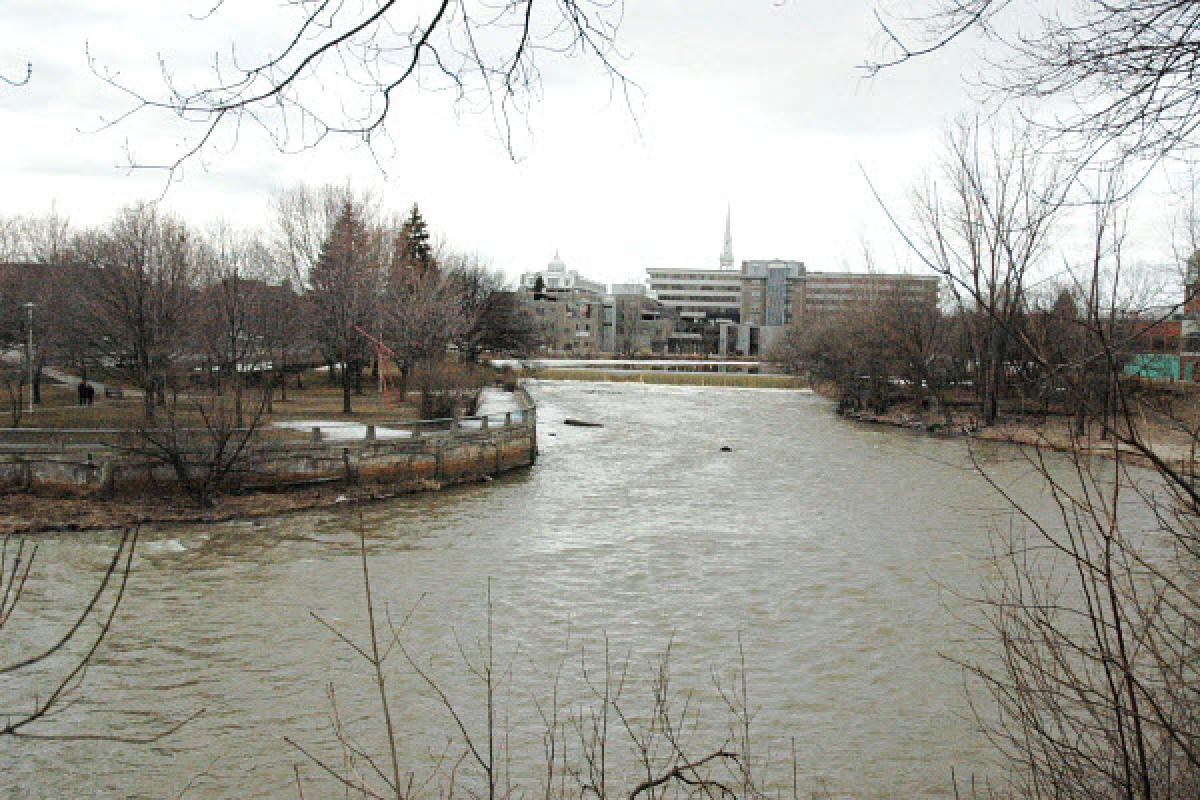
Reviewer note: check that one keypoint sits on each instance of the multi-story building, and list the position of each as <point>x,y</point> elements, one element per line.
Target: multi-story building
<point>568,322</point>
<point>556,277</point>
<point>567,307</point>
<point>699,295</point>
<point>703,298</point>
<point>772,291</point>
<point>635,323</point>
<point>839,292</point>
<point>779,293</point>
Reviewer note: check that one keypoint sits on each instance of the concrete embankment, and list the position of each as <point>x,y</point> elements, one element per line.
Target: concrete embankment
<point>82,476</point>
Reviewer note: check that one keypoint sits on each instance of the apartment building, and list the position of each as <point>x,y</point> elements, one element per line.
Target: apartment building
<point>838,292</point>
<point>636,323</point>
<point>772,291</point>
<point>698,294</point>
<point>779,293</point>
<point>569,321</point>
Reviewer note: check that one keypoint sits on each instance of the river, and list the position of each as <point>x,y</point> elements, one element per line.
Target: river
<point>833,551</point>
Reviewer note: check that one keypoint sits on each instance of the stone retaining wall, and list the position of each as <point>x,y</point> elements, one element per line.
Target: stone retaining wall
<point>459,454</point>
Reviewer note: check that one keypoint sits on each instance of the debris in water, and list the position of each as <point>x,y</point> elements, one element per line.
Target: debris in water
<point>579,423</point>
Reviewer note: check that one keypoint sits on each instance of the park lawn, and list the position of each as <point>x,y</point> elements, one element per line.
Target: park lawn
<point>59,409</point>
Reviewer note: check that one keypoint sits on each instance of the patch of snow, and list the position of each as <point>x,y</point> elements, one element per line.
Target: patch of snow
<point>168,546</point>
<point>342,431</point>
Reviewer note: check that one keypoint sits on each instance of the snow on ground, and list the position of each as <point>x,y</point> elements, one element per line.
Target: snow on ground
<point>616,362</point>
<point>494,403</point>
<point>339,431</point>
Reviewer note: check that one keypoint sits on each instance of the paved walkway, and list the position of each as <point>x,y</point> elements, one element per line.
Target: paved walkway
<point>72,381</point>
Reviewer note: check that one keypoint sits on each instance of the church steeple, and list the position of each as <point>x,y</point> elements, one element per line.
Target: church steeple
<point>727,252</point>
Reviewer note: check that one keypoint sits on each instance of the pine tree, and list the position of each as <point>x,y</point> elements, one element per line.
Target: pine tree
<point>413,248</point>
<point>342,295</point>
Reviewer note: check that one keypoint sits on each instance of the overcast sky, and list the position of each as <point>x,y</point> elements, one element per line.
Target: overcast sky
<point>750,103</point>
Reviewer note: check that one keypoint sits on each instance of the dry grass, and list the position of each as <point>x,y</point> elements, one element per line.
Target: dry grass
<point>317,400</point>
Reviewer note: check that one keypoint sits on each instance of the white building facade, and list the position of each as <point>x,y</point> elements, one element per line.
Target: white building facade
<point>556,276</point>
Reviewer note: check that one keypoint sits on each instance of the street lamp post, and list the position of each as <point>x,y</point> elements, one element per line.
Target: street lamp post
<point>29,351</point>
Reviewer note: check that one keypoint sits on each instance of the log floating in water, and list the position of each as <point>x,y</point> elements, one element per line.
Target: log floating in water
<point>579,423</point>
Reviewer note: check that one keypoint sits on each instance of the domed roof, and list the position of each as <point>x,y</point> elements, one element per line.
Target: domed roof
<point>556,264</point>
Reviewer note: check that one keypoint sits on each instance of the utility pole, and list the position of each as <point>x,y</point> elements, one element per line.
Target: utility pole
<point>29,351</point>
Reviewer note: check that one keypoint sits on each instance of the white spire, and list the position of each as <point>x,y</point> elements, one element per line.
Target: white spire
<point>727,252</point>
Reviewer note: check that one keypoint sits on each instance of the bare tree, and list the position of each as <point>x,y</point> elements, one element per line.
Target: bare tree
<point>476,285</point>
<point>286,336</point>
<point>984,228</point>
<point>1092,616</point>
<point>16,566</point>
<point>424,314</point>
<point>233,315</point>
<point>328,239</point>
<point>43,272</point>
<point>1093,621</point>
<point>371,57</point>
<point>1123,68</point>
<point>205,438</point>
<point>141,285</point>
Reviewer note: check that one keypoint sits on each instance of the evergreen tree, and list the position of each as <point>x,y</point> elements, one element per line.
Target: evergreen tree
<point>342,295</point>
<point>413,248</point>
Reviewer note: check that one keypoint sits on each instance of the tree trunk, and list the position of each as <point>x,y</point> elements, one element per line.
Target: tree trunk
<point>281,379</point>
<point>237,399</point>
<point>37,382</point>
<point>402,384</point>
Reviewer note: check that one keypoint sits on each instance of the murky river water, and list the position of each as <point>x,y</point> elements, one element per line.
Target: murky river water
<point>826,546</point>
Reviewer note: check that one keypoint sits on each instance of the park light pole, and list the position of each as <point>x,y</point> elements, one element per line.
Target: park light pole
<point>29,351</point>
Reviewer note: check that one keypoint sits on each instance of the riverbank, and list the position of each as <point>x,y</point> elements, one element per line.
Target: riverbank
<point>1054,432</point>
<point>98,486</point>
<point>22,513</point>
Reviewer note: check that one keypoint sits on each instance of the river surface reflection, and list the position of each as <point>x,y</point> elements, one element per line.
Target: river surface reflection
<point>833,550</point>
